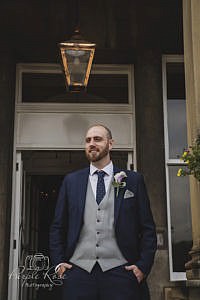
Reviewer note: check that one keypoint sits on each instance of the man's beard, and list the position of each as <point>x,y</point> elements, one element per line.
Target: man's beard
<point>97,155</point>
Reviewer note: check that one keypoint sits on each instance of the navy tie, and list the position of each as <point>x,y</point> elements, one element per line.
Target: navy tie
<point>100,192</point>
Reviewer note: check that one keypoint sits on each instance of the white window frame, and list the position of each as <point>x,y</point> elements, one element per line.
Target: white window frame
<point>174,276</point>
<point>45,68</point>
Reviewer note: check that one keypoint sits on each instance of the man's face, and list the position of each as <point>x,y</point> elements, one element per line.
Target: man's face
<point>97,144</point>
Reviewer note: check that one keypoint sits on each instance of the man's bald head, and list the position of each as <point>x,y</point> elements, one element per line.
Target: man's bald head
<point>108,131</point>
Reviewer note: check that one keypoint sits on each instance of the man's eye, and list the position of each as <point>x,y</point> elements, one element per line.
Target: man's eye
<point>97,139</point>
<point>87,140</point>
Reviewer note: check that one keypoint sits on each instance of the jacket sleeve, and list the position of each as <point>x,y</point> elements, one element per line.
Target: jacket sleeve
<point>58,230</point>
<point>148,238</point>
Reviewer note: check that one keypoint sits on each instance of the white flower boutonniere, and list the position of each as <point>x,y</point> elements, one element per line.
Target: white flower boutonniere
<point>118,180</point>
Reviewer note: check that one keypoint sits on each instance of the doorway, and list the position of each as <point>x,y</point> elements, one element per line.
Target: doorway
<point>42,173</point>
<point>48,143</point>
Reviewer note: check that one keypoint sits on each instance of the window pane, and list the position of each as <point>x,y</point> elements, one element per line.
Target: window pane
<point>180,219</point>
<point>102,88</point>
<point>38,87</point>
<point>177,128</point>
<point>175,81</point>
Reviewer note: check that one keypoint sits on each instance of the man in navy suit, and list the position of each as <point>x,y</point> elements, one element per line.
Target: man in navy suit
<point>103,237</point>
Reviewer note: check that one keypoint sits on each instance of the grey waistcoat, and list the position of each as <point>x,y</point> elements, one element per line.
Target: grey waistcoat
<point>97,242</point>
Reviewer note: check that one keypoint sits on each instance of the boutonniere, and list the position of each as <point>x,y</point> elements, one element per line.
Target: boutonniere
<point>118,180</point>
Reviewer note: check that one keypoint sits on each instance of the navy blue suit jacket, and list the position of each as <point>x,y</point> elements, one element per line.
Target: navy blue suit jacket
<point>133,221</point>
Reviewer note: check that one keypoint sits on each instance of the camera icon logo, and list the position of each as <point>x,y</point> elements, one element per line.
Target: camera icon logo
<point>37,262</point>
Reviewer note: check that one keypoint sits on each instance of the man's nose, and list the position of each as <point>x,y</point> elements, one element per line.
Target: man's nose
<point>92,142</point>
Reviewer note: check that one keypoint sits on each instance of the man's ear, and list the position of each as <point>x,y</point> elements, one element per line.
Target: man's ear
<point>111,142</point>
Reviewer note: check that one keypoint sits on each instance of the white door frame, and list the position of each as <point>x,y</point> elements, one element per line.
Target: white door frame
<point>13,284</point>
<point>117,116</point>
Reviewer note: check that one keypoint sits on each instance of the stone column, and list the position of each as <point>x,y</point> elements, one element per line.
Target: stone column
<point>191,24</point>
<point>150,133</point>
<point>7,87</point>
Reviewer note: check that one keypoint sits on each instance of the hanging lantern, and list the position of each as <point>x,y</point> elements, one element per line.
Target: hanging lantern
<point>77,56</point>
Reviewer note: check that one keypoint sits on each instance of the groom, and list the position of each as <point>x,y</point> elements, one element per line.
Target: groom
<point>103,238</point>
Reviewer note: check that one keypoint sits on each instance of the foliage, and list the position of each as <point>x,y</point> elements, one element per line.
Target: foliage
<point>191,157</point>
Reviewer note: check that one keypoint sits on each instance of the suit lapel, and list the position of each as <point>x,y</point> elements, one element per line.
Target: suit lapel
<point>82,182</point>
<point>118,198</point>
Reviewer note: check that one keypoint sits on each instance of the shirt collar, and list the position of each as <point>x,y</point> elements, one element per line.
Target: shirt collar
<point>108,169</point>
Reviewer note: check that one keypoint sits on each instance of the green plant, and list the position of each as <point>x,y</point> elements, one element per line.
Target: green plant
<point>191,157</point>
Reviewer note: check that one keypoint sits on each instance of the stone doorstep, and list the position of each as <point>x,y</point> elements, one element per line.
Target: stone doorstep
<point>175,293</point>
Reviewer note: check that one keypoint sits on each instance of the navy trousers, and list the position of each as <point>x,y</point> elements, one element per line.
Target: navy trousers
<point>114,284</point>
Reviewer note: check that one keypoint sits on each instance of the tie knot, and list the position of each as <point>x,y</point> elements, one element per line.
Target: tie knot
<point>101,173</point>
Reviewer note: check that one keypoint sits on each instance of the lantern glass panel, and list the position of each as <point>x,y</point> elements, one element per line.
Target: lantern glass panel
<point>77,62</point>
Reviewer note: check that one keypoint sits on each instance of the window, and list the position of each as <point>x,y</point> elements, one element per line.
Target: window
<point>178,194</point>
<point>47,85</point>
